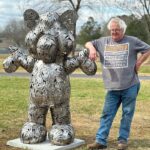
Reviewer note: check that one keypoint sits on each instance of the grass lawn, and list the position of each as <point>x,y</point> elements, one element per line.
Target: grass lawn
<point>87,97</point>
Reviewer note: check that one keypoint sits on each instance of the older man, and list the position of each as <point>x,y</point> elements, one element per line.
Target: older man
<point>120,65</point>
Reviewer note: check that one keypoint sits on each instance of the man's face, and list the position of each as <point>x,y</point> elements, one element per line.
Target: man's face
<point>116,32</point>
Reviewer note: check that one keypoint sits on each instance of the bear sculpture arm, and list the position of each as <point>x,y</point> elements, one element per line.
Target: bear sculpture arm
<point>71,64</point>
<point>88,66</point>
<point>81,61</point>
<point>18,58</point>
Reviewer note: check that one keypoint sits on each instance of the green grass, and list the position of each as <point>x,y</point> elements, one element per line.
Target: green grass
<point>87,98</point>
<point>83,91</point>
<point>145,69</point>
<point>13,99</point>
<point>2,57</point>
<point>15,92</point>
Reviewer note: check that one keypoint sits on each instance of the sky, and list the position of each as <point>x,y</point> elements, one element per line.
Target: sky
<point>13,9</point>
<point>8,11</point>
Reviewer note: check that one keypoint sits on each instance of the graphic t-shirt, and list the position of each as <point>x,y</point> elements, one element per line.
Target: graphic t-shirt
<point>118,60</point>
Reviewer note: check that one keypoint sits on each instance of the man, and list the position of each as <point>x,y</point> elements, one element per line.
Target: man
<point>118,56</point>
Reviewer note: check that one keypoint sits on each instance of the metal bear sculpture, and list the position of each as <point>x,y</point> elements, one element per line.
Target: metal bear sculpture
<point>49,42</point>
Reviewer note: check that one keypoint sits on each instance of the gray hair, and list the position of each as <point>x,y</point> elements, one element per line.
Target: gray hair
<point>120,22</point>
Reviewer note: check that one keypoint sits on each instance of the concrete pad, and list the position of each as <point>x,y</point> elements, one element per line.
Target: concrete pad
<point>44,145</point>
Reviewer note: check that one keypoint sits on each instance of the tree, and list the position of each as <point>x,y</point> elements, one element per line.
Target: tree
<point>89,31</point>
<point>15,31</point>
<point>138,8</point>
<point>77,6</point>
<point>137,28</point>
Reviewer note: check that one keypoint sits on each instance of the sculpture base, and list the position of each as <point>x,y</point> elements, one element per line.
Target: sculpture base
<point>44,145</point>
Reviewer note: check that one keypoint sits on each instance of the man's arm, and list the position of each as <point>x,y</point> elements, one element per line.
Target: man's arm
<point>141,59</point>
<point>92,50</point>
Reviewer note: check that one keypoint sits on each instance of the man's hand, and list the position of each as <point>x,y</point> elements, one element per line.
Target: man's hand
<point>92,54</point>
<point>141,59</point>
<point>137,66</point>
<point>92,51</point>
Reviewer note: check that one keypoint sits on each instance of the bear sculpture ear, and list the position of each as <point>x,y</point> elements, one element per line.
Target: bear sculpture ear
<point>68,18</point>
<point>30,17</point>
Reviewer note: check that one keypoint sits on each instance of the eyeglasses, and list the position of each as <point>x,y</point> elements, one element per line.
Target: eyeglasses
<point>115,30</point>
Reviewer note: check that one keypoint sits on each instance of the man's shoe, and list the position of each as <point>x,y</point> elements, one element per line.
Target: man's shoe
<point>96,146</point>
<point>122,145</point>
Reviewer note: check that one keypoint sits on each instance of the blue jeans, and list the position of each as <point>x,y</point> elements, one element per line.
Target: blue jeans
<point>113,100</point>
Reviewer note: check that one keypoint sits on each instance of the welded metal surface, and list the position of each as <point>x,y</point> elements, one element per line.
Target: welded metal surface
<point>49,42</point>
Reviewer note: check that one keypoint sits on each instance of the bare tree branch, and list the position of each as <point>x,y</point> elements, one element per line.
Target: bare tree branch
<point>72,4</point>
<point>78,5</point>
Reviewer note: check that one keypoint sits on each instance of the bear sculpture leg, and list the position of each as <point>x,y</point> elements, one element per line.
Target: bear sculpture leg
<point>34,131</point>
<point>62,132</point>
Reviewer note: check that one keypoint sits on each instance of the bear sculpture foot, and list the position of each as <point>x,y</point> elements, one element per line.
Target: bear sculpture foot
<point>32,133</point>
<point>61,134</point>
